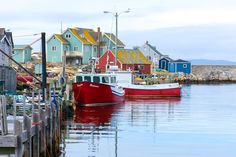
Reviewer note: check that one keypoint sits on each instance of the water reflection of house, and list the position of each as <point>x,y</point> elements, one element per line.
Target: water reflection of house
<point>127,59</point>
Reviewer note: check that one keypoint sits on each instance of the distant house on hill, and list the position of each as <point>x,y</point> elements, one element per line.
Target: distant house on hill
<point>22,53</point>
<point>7,74</point>
<point>127,60</point>
<point>175,65</point>
<point>151,53</point>
<point>79,45</point>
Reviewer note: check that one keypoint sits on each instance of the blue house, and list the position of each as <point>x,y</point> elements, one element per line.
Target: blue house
<point>22,53</point>
<point>164,63</point>
<point>175,65</point>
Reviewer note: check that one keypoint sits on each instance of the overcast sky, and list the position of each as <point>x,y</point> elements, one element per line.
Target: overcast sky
<point>187,29</point>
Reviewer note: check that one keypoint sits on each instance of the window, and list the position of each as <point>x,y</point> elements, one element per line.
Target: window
<point>141,67</point>
<point>96,79</point>
<point>184,65</point>
<point>54,48</point>
<point>113,79</point>
<point>105,79</point>
<point>95,49</point>
<point>76,48</point>
<point>67,35</point>
<point>87,78</point>
<point>79,78</point>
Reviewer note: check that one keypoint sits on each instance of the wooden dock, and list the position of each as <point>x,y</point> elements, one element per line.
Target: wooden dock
<point>34,135</point>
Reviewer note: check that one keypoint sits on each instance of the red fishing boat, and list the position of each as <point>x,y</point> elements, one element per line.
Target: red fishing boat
<point>146,91</point>
<point>152,91</point>
<point>97,90</point>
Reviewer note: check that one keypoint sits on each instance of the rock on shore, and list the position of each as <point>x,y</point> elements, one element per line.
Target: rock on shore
<point>214,72</point>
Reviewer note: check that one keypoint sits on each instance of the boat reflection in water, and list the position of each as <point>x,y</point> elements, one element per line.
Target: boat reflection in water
<point>102,130</point>
<point>95,115</point>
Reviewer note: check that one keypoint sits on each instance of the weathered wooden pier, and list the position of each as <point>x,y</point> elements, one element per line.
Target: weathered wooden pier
<point>34,135</point>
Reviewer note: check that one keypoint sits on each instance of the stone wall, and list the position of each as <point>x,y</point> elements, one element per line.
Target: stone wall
<point>214,72</point>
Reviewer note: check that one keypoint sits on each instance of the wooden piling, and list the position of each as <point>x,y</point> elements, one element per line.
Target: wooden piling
<point>36,136</point>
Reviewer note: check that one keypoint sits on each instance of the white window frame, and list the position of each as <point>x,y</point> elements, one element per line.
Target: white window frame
<point>54,48</point>
<point>185,66</point>
<point>76,48</point>
<point>68,36</point>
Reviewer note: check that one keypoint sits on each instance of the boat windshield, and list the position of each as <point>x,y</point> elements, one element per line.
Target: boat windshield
<point>105,79</point>
<point>87,78</point>
<point>113,79</point>
<point>96,79</point>
<point>79,78</point>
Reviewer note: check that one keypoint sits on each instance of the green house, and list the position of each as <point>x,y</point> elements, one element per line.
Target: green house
<point>56,46</point>
<point>110,41</point>
<point>78,45</point>
<point>22,53</point>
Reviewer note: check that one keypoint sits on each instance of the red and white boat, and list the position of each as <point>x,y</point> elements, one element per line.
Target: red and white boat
<point>146,91</point>
<point>152,91</point>
<point>97,90</point>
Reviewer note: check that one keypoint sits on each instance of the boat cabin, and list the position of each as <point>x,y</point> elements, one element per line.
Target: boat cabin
<point>96,78</point>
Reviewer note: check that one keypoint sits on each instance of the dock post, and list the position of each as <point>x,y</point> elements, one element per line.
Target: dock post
<point>28,143</point>
<point>36,123</point>
<point>3,115</point>
<point>43,143</point>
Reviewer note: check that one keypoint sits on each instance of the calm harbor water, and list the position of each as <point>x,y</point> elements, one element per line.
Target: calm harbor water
<point>202,123</point>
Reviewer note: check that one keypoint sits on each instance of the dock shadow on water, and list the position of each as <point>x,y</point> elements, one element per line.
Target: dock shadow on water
<point>198,124</point>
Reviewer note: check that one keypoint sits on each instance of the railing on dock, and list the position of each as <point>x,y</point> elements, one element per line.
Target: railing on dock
<point>33,134</point>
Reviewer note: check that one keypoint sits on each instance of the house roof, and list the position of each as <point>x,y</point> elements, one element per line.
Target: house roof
<point>76,33</point>
<point>128,56</point>
<point>61,39</point>
<point>167,58</point>
<point>113,38</point>
<point>21,47</point>
<point>153,48</point>
<point>89,34</point>
<point>180,61</point>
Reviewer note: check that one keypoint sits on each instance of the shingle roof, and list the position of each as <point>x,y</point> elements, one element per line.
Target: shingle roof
<point>168,58</point>
<point>75,31</point>
<point>112,37</point>
<point>180,60</point>
<point>128,56</point>
<point>21,47</point>
<point>59,37</point>
<point>153,48</point>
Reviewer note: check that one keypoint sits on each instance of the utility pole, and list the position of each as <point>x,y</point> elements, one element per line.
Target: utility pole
<point>116,15</point>
<point>44,73</point>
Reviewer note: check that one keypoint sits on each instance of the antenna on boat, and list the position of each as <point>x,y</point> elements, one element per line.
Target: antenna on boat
<point>92,64</point>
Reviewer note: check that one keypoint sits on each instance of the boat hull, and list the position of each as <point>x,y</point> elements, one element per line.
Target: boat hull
<point>148,91</point>
<point>96,94</point>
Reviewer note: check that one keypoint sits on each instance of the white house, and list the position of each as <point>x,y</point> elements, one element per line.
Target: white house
<point>151,53</point>
<point>7,74</point>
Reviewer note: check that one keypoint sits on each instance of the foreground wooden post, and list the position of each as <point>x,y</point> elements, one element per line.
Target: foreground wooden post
<point>36,123</point>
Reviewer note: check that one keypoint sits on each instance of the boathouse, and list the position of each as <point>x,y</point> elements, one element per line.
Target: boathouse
<point>127,59</point>
<point>22,53</point>
<point>171,65</point>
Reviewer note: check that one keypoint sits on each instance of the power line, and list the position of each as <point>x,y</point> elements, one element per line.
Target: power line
<point>26,35</point>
